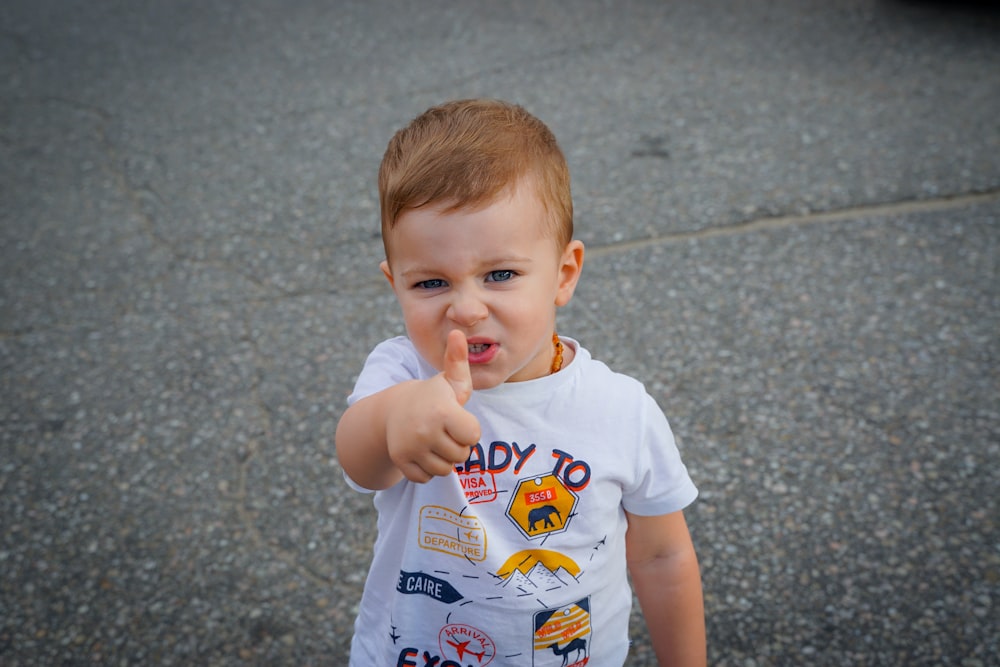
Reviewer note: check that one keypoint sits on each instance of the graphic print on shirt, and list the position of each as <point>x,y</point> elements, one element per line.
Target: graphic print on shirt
<point>562,636</point>
<point>457,641</point>
<point>420,583</point>
<point>479,487</point>
<point>541,506</point>
<point>459,645</point>
<point>540,495</point>
<point>478,475</point>
<point>537,573</point>
<point>450,532</point>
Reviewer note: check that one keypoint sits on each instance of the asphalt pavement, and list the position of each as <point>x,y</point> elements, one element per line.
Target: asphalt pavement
<point>792,213</point>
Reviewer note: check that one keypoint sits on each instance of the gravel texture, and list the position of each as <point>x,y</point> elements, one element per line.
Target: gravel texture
<point>792,212</point>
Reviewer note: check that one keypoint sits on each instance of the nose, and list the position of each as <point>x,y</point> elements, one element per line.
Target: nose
<point>467,308</point>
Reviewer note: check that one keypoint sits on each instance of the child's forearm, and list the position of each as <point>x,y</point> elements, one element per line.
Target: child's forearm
<point>669,592</point>
<point>361,441</point>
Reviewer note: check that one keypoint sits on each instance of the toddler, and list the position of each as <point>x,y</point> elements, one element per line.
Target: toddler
<point>518,481</point>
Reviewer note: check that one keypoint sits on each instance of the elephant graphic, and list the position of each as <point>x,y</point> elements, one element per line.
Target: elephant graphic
<point>577,646</point>
<point>544,514</point>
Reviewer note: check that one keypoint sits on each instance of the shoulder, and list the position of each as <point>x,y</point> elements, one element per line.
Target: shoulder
<point>392,361</point>
<point>599,389</point>
<point>597,375</point>
<point>398,348</point>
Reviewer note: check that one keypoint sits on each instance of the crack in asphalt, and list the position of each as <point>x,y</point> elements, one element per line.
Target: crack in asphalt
<point>904,207</point>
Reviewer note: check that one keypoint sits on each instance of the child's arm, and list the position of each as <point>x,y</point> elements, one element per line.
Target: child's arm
<point>664,569</point>
<point>415,429</point>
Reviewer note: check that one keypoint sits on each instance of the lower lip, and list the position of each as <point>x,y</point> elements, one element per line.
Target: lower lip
<point>485,356</point>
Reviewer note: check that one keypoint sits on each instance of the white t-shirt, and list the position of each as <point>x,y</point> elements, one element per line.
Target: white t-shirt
<point>518,557</point>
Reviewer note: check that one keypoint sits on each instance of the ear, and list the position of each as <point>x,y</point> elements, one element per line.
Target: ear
<point>570,267</point>
<point>387,272</point>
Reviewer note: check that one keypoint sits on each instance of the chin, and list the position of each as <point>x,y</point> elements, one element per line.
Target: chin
<point>486,380</point>
<point>487,383</point>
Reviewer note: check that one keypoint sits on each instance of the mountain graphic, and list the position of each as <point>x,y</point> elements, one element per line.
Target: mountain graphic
<point>519,582</point>
<point>538,578</point>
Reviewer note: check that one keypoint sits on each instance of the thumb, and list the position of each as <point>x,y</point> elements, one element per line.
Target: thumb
<point>456,366</point>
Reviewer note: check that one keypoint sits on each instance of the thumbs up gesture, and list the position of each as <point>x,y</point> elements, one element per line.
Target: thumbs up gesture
<point>456,367</point>
<point>429,431</point>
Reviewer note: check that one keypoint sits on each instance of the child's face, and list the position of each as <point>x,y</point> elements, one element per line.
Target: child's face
<point>492,273</point>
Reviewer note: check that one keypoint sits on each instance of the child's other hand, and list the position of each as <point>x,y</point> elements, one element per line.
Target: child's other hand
<point>429,432</point>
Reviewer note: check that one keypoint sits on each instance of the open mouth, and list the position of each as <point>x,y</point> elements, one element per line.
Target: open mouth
<point>482,353</point>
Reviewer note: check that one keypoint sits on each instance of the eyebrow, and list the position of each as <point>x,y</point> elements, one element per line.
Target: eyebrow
<point>423,269</point>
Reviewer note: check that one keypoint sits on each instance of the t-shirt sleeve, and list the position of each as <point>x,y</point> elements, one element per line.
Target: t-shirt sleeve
<point>661,484</point>
<point>391,362</point>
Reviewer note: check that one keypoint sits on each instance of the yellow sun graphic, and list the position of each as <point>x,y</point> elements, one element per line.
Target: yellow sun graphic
<point>525,560</point>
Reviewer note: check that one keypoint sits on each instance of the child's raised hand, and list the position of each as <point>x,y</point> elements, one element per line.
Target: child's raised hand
<point>429,431</point>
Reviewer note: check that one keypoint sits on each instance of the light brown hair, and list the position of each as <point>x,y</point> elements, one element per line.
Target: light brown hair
<point>465,154</point>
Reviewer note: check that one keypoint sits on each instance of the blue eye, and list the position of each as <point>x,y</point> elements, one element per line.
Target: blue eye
<point>434,283</point>
<point>499,276</point>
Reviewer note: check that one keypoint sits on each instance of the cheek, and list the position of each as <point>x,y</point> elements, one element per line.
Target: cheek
<point>421,319</point>
<point>532,310</point>
<point>414,315</point>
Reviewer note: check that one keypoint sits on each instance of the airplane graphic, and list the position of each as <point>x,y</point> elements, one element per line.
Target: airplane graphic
<point>393,635</point>
<point>598,546</point>
<point>462,648</point>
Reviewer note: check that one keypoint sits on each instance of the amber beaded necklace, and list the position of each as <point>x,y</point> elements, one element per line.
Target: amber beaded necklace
<point>557,359</point>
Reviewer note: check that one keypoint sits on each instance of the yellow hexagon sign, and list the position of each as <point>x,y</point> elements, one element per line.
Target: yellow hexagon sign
<point>541,506</point>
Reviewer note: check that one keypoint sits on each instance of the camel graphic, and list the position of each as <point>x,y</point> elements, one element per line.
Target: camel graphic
<point>577,646</point>
<point>543,513</point>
